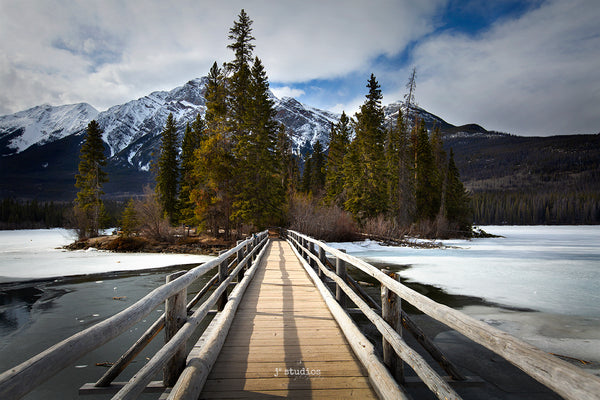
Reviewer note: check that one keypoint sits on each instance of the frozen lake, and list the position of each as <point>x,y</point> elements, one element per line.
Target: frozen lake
<point>537,283</point>
<point>37,254</point>
<point>540,283</point>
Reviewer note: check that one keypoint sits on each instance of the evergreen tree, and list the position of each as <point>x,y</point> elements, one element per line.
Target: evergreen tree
<point>457,200</point>
<point>167,178</point>
<point>89,209</point>
<point>216,100</point>
<point>400,185</point>
<point>239,72</point>
<point>288,168</point>
<point>259,199</point>
<point>213,170</point>
<point>129,220</point>
<point>365,179</point>
<point>317,179</point>
<point>213,177</point>
<point>441,165</point>
<point>192,140</point>
<point>339,141</point>
<point>427,193</point>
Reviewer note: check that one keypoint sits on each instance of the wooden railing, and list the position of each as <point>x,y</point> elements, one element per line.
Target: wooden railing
<point>18,381</point>
<point>565,379</point>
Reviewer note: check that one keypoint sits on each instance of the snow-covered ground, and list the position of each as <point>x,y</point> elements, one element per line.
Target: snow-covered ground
<point>36,254</point>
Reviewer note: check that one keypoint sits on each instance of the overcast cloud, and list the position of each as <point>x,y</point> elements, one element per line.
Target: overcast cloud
<point>532,73</point>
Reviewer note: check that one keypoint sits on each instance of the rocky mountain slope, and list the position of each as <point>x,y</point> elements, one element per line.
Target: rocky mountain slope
<point>39,147</point>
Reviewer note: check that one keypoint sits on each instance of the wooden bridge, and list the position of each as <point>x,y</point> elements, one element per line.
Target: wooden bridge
<point>282,329</point>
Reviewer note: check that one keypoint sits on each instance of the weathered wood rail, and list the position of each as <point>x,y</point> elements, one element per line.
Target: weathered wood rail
<point>234,263</point>
<point>563,378</point>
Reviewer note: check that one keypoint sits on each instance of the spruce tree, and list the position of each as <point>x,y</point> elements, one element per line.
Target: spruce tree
<point>129,220</point>
<point>339,140</point>
<point>213,171</point>
<point>457,200</point>
<point>427,193</point>
<point>317,178</point>
<point>192,140</point>
<point>239,71</point>
<point>89,209</point>
<point>259,198</point>
<point>286,162</point>
<point>366,167</point>
<point>167,178</point>
<point>400,185</point>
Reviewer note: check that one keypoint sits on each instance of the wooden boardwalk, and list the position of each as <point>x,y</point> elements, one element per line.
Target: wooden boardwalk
<point>284,342</point>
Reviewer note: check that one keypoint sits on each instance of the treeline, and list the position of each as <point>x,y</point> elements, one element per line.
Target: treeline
<point>232,173</point>
<point>33,214</point>
<point>236,170</point>
<point>17,214</point>
<point>393,181</point>
<point>536,208</point>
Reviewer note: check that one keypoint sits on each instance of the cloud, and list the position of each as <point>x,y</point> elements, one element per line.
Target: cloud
<point>108,51</point>
<point>536,75</point>
<point>286,91</point>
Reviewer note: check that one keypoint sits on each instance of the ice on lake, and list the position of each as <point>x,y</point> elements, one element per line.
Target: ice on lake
<point>551,269</point>
<point>554,271</point>
<point>37,254</point>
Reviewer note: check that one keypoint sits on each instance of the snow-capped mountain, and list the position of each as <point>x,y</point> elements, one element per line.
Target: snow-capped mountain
<point>31,140</point>
<point>41,125</point>
<point>305,124</point>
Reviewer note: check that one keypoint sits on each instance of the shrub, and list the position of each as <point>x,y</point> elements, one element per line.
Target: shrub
<point>329,223</point>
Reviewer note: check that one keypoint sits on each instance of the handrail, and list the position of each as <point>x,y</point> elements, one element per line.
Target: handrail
<point>565,379</point>
<point>138,382</point>
<point>21,379</point>
<point>433,381</point>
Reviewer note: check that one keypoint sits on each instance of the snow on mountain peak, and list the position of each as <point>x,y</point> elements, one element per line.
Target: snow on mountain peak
<point>42,124</point>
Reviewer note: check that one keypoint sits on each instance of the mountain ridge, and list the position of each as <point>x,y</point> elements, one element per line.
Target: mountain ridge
<point>39,147</point>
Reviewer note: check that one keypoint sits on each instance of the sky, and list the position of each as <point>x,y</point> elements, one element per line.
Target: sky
<point>529,67</point>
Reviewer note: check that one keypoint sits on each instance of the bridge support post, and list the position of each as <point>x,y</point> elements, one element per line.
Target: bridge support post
<point>340,270</point>
<point>175,317</point>
<point>391,312</point>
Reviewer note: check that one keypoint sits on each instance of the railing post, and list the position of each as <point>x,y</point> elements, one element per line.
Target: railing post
<point>311,250</point>
<point>340,270</point>
<point>222,276</point>
<point>323,259</point>
<point>391,312</point>
<point>175,317</point>
<point>240,257</point>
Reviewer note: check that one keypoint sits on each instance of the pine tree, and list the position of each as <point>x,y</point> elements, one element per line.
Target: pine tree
<point>259,198</point>
<point>366,167</point>
<point>339,141</point>
<point>427,193</point>
<point>239,71</point>
<point>193,138</point>
<point>286,162</point>
<point>212,174</point>
<point>89,209</point>
<point>216,100</point>
<point>457,200</point>
<point>317,179</point>
<point>129,220</point>
<point>167,179</point>
<point>400,185</point>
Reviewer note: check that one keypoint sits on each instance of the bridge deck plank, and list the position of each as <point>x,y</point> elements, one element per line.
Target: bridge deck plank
<point>284,342</point>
